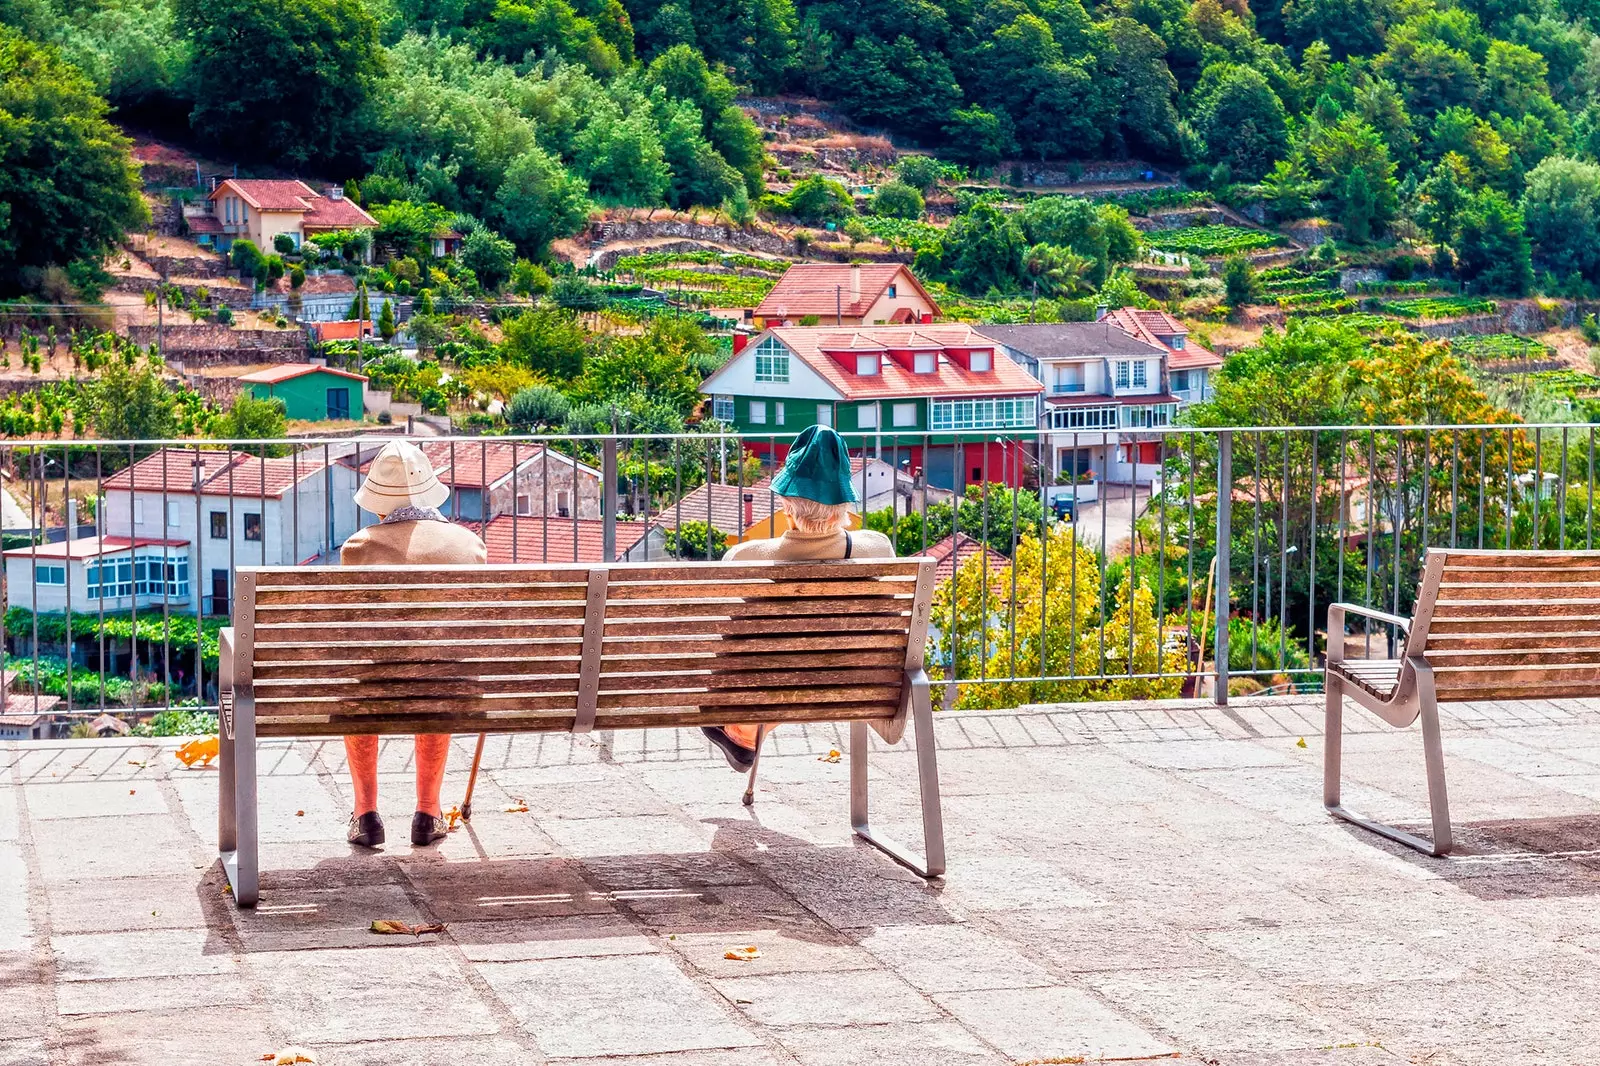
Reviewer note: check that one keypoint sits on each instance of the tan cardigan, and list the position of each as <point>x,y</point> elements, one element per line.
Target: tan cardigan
<point>797,547</point>
<point>415,543</point>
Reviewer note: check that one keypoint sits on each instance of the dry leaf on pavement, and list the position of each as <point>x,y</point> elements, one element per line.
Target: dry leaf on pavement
<point>749,954</point>
<point>291,1055</point>
<point>1300,743</point>
<point>451,817</point>
<point>518,808</point>
<point>393,927</point>
<point>832,756</point>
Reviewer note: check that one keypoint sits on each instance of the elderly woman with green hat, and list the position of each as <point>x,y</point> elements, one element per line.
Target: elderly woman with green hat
<point>815,491</point>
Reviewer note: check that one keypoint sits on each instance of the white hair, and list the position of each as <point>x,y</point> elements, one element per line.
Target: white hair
<point>809,516</point>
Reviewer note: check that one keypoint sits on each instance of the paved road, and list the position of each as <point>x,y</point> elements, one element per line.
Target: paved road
<point>1120,504</point>
<point>12,515</point>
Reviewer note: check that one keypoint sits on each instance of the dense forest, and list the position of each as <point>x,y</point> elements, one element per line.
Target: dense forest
<point>1472,127</point>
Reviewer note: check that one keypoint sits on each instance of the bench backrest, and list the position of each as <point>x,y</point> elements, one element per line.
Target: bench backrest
<point>1509,624</point>
<point>329,650</point>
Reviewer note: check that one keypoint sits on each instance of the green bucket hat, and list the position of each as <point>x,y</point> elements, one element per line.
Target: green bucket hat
<point>818,468</point>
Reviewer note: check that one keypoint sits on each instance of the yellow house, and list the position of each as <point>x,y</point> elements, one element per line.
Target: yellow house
<point>259,210</point>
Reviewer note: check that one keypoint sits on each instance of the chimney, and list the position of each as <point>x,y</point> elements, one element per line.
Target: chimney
<point>739,341</point>
<point>855,283</point>
<point>749,509</point>
<point>1101,311</point>
<point>336,192</point>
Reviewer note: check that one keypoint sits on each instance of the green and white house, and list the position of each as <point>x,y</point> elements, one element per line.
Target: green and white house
<point>940,398</point>
<point>309,392</point>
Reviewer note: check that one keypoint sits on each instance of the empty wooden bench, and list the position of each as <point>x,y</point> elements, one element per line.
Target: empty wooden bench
<point>1488,625</point>
<point>328,651</point>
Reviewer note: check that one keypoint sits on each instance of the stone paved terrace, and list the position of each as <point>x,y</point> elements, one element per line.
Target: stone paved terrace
<point>1132,882</point>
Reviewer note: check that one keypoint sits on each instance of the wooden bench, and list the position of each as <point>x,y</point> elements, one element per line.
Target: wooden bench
<point>329,650</point>
<point>1488,625</point>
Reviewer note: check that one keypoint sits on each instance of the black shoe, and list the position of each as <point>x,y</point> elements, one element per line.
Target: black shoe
<point>425,829</point>
<point>739,757</point>
<point>366,830</point>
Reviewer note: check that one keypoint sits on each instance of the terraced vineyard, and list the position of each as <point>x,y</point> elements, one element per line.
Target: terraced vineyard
<point>1212,240</point>
<point>1396,288</point>
<point>902,232</point>
<point>1436,307</point>
<point>1499,348</point>
<point>1318,302</point>
<point>1289,281</point>
<point>724,279</point>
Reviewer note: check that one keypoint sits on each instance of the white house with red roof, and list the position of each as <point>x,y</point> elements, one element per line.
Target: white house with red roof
<point>175,524</point>
<point>847,294</point>
<point>259,209</point>
<point>1189,365</point>
<point>936,398</point>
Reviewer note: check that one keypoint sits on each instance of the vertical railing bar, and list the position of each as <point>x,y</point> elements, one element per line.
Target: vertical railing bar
<point>166,605</point>
<point>1561,488</point>
<point>38,519</point>
<point>1372,528</point>
<point>1483,482</point>
<point>1401,500</point>
<point>1455,484</point>
<point>1588,520</point>
<point>711,474</point>
<point>1427,483</point>
<point>68,520</point>
<point>1072,615</point>
<point>1161,566</point>
<point>1510,485</point>
<point>133,589</point>
<point>1283,561</point>
<point>516,504</point>
<point>1538,484</point>
<point>608,494</point>
<point>1343,503</point>
<point>983,568</point>
<point>677,503</point>
<point>1104,555</point>
<point>1223,561</point>
<point>1045,465</point>
<point>1255,547</point>
<point>102,515</point>
<point>544,503</point>
<point>195,587</point>
<point>1311,561</point>
<point>1016,500</point>
<point>1188,604</point>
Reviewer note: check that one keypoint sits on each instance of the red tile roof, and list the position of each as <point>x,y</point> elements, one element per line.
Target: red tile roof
<point>955,550</point>
<point>484,463</point>
<point>825,289</point>
<point>321,212</point>
<point>726,505</point>
<point>1153,325</point>
<point>221,472</point>
<point>91,547</point>
<point>894,380</point>
<point>203,223</point>
<point>288,371</point>
<point>525,539</point>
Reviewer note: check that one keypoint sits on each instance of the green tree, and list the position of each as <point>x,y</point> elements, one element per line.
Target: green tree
<point>132,404</point>
<point>896,199</point>
<point>68,190</point>
<point>1492,247</point>
<point>1561,207</point>
<point>549,342</point>
<point>489,256</point>
<point>979,137</point>
<point>1241,120</point>
<point>253,419</point>
<point>537,409</point>
<point>921,172</point>
<point>539,202</point>
<point>816,200</point>
<point>289,79</point>
<point>386,323</point>
<point>1238,281</point>
<point>1359,207</point>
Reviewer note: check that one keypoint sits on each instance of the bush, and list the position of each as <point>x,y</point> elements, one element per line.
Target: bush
<point>225,315</point>
<point>283,244</point>
<point>688,541</point>
<point>816,200</point>
<point>537,408</point>
<point>297,277</point>
<point>920,172</point>
<point>246,257</point>
<point>896,199</point>
<point>529,278</point>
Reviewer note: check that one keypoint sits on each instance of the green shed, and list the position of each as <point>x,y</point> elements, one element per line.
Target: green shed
<point>311,393</point>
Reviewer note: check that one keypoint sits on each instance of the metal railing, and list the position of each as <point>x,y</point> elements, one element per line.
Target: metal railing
<point>1117,598</point>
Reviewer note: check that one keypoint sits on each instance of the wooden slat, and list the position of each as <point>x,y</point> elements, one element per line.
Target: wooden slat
<point>412,612</point>
<point>1448,643</point>
<point>772,629</point>
<point>1552,608</point>
<point>316,670</point>
<point>758,590</point>
<point>716,680</point>
<point>1481,592</point>
<point>667,573</point>
<point>575,573</point>
<point>413,652</point>
<point>728,663</point>
<point>1490,691</point>
<point>420,634</point>
<point>467,705</point>
<point>432,688</point>
<point>1510,628</point>
<point>1533,575</point>
<point>1503,657</point>
<point>768,608</point>
<point>1502,560</point>
<point>276,577</point>
<point>615,647</point>
<point>356,596</point>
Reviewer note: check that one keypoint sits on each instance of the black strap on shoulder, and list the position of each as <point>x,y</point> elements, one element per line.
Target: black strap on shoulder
<point>848,546</point>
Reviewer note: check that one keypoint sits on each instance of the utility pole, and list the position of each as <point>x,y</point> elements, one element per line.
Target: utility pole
<point>838,305</point>
<point>161,297</point>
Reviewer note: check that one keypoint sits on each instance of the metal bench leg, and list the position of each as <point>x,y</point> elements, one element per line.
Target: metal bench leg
<point>920,693</point>
<point>1433,750</point>
<point>242,862</point>
<point>755,764</point>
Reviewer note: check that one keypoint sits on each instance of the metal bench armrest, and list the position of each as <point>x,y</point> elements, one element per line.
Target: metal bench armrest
<point>1336,613</point>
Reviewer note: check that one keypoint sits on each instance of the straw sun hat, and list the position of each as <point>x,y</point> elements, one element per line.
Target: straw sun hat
<point>400,476</point>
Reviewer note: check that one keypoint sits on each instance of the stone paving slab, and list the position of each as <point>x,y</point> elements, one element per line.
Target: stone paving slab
<point>1130,881</point>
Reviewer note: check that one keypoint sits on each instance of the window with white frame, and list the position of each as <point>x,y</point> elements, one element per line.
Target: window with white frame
<point>1122,373</point>
<point>524,503</point>
<point>772,361</point>
<point>138,511</point>
<point>758,412</point>
<point>49,575</point>
<point>867,365</point>
<point>980,362</point>
<point>1069,377</point>
<point>824,414</point>
<point>563,503</point>
<point>722,408</point>
<point>984,413</point>
<point>1083,418</point>
<point>1143,417</point>
<point>1180,381</point>
<point>172,514</point>
<point>1139,374</point>
<point>925,362</point>
<point>905,414</point>
<point>777,412</point>
<point>148,574</point>
<point>867,416</point>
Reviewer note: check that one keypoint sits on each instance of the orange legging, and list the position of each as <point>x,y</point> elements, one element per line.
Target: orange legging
<point>432,751</point>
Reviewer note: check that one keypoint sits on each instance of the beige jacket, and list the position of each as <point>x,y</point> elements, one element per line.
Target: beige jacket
<point>416,543</point>
<point>797,547</point>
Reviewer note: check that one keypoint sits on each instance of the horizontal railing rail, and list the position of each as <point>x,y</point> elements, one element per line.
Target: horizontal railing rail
<point>1077,564</point>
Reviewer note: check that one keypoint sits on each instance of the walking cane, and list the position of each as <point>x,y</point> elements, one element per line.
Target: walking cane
<point>477,757</point>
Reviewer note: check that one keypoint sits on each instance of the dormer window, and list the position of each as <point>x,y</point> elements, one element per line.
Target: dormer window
<point>867,365</point>
<point>1176,343</point>
<point>925,362</point>
<point>891,292</point>
<point>980,362</point>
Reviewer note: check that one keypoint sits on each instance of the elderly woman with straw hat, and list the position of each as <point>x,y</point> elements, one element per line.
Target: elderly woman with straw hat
<point>403,491</point>
<point>815,491</point>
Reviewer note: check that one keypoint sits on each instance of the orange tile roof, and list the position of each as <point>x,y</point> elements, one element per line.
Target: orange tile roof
<point>894,380</point>
<point>91,547</point>
<point>240,473</point>
<point>825,289</point>
<point>484,463</point>
<point>955,550</point>
<point>536,539</point>
<point>1153,325</point>
<point>321,212</point>
<point>287,371</point>
<point>726,503</point>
